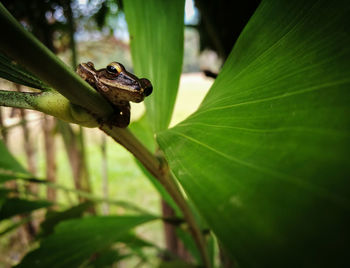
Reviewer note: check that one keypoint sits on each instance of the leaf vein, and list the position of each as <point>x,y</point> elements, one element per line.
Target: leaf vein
<point>282,96</point>
<point>344,202</point>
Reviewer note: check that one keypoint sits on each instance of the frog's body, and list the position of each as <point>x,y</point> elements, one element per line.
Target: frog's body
<point>118,86</point>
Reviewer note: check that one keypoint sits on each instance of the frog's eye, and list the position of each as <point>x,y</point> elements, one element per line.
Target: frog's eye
<point>114,68</point>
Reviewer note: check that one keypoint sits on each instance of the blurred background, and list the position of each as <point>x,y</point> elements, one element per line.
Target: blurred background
<point>86,159</point>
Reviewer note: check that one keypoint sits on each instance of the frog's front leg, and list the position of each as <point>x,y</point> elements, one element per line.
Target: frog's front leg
<point>121,116</point>
<point>100,87</point>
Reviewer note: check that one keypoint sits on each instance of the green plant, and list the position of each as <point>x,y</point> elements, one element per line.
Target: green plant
<point>265,157</point>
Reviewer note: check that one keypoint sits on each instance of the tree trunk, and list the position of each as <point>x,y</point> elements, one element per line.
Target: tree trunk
<point>3,130</point>
<point>75,148</point>
<point>172,241</point>
<point>49,124</point>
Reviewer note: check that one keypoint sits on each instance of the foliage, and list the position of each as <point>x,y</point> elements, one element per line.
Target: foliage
<point>264,159</point>
<point>93,234</point>
<point>12,72</point>
<point>13,206</point>
<point>157,28</point>
<point>9,167</point>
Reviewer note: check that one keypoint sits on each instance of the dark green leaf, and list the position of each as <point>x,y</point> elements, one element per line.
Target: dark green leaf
<point>74,241</point>
<point>53,217</point>
<point>4,192</point>
<point>266,157</point>
<point>176,264</point>
<point>15,206</point>
<point>156,30</point>
<point>106,259</point>
<point>11,71</point>
<point>9,166</point>
<point>134,241</point>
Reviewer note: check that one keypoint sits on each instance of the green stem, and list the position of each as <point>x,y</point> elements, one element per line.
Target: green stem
<point>49,102</point>
<point>161,172</point>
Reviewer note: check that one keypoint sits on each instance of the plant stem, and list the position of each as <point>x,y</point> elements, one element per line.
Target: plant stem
<point>160,170</point>
<point>48,102</point>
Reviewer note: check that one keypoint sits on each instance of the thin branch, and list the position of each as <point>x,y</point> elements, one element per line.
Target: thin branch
<point>49,102</point>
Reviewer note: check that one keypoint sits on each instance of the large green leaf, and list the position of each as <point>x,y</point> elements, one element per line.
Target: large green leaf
<point>266,156</point>
<point>74,241</point>
<point>156,30</point>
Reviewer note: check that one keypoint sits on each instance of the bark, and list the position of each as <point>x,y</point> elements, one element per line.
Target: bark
<point>49,124</point>
<point>75,148</point>
<point>225,261</point>
<point>3,130</point>
<point>31,228</point>
<point>84,172</point>
<point>172,241</point>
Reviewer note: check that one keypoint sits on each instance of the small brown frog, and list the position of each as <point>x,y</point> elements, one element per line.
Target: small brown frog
<point>118,86</point>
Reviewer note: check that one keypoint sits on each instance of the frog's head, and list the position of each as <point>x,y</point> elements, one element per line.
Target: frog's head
<point>126,85</point>
<point>117,84</point>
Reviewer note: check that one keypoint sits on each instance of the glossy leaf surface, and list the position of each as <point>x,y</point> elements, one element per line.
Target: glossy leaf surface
<point>156,30</point>
<point>266,157</point>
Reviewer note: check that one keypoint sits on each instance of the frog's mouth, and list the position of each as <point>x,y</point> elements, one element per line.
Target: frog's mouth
<point>139,86</point>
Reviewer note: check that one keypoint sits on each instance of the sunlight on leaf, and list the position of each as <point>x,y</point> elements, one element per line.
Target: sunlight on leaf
<point>156,38</point>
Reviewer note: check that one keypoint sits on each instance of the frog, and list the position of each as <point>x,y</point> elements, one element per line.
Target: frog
<point>118,86</point>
